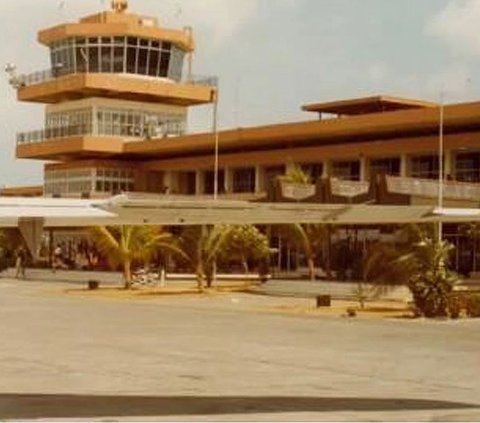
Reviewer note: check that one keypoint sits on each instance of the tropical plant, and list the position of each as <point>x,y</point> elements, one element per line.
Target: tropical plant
<point>243,243</point>
<point>430,280</point>
<point>296,175</point>
<point>473,306</point>
<point>419,261</point>
<point>312,239</point>
<point>378,272</point>
<point>125,245</point>
<point>201,245</point>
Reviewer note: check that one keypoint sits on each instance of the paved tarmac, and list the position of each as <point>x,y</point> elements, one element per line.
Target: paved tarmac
<point>71,357</point>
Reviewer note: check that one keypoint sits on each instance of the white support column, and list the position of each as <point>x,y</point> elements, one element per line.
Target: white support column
<point>326,169</point>
<point>95,120</point>
<point>363,168</point>
<point>168,181</point>
<point>449,169</point>
<point>228,179</point>
<point>200,183</point>
<point>404,166</point>
<point>259,179</point>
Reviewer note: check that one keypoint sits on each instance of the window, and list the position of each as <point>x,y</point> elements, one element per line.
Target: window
<point>188,183</point>
<point>346,170</point>
<point>467,167</point>
<point>209,182</point>
<point>117,54</point>
<point>424,167</point>
<point>244,180</point>
<point>390,167</point>
<point>314,170</point>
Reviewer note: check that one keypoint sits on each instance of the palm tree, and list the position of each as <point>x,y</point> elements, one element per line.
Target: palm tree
<point>123,245</point>
<point>201,246</point>
<point>311,239</point>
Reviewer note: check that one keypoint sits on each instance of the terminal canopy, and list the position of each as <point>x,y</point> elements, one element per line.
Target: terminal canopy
<point>172,210</point>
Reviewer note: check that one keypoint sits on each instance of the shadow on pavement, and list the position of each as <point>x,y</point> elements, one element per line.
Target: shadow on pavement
<point>33,406</point>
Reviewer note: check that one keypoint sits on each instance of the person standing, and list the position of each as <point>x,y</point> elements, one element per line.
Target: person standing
<point>21,258</point>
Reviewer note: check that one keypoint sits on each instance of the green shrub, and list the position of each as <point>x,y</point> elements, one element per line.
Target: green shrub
<point>473,306</point>
<point>455,306</point>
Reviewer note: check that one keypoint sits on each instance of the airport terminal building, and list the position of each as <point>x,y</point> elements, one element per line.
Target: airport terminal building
<point>117,96</point>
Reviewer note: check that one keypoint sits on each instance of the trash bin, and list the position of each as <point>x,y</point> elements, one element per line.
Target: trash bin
<point>92,285</point>
<point>324,301</point>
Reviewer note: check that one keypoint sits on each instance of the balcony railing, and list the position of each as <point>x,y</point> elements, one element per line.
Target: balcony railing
<point>343,188</point>
<point>206,81</point>
<point>35,78</point>
<point>47,75</point>
<point>34,137</point>
<point>125,131</point>
<point>430,188</point>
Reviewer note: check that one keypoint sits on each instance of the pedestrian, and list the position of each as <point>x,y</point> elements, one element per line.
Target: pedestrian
<point>21,257</point>
<point>57,262</point>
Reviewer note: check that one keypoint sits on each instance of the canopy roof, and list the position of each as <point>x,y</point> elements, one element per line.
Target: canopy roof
<point>366,105</point>
<point>165,210</point>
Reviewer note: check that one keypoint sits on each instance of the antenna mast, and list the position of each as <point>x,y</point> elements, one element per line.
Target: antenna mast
<point>119,6</point>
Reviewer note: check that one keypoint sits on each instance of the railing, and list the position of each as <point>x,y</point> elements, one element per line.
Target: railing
<point>41,135</point>
<point>47,75</point>
<point>429,188</point>
<point>35,78</point>
<point>124,131</point>
<point>207,81</point>
<point>348,188</point>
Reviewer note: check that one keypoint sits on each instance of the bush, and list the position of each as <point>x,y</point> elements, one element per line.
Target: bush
<point>473,306</point>
<point>431,283</point>
<point>455,306</point>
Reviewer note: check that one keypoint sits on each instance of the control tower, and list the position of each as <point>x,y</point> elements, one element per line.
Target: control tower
<point>115,78</point>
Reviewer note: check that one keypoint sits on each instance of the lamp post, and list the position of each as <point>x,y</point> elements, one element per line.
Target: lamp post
<point>216,141</point>
<point>440,163</point>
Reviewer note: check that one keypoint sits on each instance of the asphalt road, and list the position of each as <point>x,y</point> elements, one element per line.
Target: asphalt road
<point>65,356</point>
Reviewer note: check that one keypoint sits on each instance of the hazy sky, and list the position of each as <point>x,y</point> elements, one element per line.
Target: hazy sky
<point>272,56</point>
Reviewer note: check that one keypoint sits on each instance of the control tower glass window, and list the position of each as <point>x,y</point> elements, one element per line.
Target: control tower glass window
<point>139,56</point>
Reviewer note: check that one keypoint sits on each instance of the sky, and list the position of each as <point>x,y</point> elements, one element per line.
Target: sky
<point>271,56</point>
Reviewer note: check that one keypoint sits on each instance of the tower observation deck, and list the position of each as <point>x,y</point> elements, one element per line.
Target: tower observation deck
<point>114,77</point>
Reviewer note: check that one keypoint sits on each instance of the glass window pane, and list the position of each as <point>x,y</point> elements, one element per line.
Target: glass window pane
<point>106,60</point>
<point>131,59</point>
<point>153,62</point>
<point>164,62</point>
<point>93,53</point>
<point>142,61</point>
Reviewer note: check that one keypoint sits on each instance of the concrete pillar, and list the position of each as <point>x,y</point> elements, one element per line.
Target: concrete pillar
<point>449,165</point>
<point>259,179</point>
<point>327,169</point>
<point>95,120</point>
<point>200,182</point>
<point>228,179</point>
<point>363,168</point>
<point>404,167</point>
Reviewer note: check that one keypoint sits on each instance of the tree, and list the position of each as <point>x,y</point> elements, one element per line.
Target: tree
<point>431,282</point>
<point>124,245</point>
<point>420,261</point>
<point>417,260</point>
<point>201,246</point>
<point>311,239</point>
<point>243,243</point>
